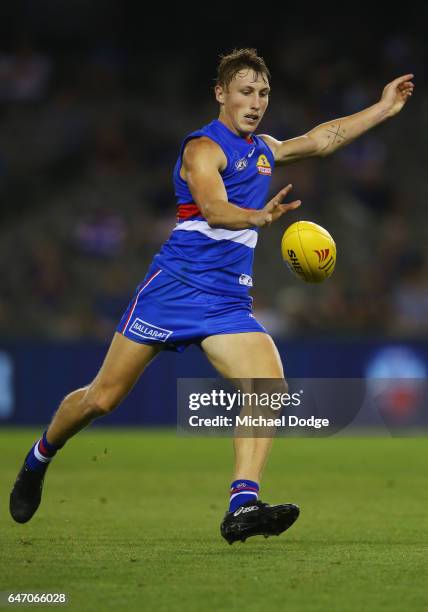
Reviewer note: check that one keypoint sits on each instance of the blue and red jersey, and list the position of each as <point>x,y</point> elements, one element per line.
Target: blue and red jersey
<point>219,260</point>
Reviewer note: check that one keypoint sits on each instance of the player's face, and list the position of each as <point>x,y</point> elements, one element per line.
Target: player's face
<point>243,103</point>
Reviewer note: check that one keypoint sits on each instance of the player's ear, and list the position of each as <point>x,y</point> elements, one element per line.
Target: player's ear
<point>219,94</point>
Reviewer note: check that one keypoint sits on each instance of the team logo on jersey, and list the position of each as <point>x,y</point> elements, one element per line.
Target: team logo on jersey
<point>241,164</point>
<point>263,165</point>
<point>246,280</point>
<point>149,331</point>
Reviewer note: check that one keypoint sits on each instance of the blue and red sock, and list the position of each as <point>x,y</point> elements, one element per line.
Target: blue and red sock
<point>241,492</point>
<point>41,454</point>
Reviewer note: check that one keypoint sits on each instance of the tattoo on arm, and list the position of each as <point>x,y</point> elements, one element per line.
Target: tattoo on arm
<point>335,136</point>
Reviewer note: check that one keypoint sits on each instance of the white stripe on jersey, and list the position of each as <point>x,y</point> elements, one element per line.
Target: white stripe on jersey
<point>248,237</point>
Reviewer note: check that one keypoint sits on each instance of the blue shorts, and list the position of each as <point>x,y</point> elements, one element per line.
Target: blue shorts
<point>167,312</point>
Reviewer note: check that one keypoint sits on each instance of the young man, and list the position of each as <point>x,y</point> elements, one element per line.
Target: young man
<point>196,290</point>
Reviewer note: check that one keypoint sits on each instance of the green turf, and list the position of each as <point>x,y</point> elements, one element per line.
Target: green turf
<point>130,521</point>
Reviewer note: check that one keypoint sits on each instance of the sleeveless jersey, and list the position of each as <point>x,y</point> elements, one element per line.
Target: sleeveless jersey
<point>219,260</point>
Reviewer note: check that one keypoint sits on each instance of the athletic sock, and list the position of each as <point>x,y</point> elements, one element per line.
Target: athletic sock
<point>241,492</point>
<point>41,454</point>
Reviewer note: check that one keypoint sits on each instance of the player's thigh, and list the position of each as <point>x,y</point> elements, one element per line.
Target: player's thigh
<point>244,356</point>
<point>124,363</point>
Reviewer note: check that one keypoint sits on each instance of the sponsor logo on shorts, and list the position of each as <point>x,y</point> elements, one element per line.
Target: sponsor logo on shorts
<point>246,280</point>
<point>146,330</point>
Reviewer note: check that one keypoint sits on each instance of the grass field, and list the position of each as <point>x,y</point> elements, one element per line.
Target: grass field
<point>130,521</point>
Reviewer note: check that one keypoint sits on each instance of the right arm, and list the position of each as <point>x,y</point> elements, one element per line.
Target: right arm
<point>203,160</point>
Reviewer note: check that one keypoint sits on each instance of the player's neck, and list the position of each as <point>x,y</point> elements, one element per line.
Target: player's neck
<point>225,121</point>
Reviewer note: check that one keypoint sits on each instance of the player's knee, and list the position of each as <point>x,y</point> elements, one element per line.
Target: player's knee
<point>281,386</point>
<point>273,394</point>
<point>100,401</point>
<point>270,385</point>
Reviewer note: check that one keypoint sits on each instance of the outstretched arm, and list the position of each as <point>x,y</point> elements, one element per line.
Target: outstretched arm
<point>330,136</point>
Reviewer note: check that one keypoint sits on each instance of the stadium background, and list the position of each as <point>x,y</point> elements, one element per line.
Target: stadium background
<point>95,98</point>
<point>93,107</point>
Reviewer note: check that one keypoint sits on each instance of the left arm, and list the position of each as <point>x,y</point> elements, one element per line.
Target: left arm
<point>332,135</point>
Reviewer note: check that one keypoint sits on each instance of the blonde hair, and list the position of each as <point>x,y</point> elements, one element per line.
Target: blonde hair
<point>238,59</point>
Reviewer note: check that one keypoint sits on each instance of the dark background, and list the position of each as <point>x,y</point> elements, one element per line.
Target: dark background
<point>95,99</point>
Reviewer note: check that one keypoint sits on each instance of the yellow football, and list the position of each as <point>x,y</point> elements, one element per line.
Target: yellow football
<point>309,251</point>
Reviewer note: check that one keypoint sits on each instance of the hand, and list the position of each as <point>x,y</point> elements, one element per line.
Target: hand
<point>396,94</point>
<point>274,209</point>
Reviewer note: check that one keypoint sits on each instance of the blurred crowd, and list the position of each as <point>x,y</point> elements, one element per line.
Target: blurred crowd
<point>88,142</point>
